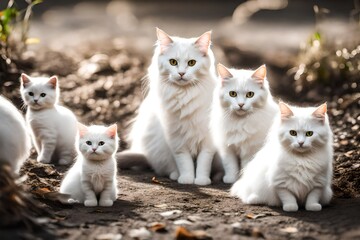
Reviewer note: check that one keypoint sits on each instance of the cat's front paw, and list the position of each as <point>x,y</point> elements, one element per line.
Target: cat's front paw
<point>106,203</point>
<point>290,207</point>
<point>202,181</point>
<point>90,203</point>
<point>186,179</point>
<point>174,175</point>
<point>43,159</point>
<point>229,178</point>
<point>313,207</point>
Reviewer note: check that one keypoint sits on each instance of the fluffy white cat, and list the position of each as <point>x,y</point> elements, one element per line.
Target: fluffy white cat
<point>172,126</point>
<point>242,113</point>
<point>93,175</point>
<point>15,141</point>
<point>53,127</point>
<point>295,165</point>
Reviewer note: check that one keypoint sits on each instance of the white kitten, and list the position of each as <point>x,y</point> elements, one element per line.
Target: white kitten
<point>53,127</point>
<point>15,141</point>
<point>94,173</point>
<point>295,165</point>
<point>242,113</point>
<point>172,126</point>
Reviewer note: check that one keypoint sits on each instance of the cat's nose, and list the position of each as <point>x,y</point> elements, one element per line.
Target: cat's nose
<point>301,144</point>
<point>94,149</point>
<point>241,105</point>
<point>181,74</point>
<point>35,100</point>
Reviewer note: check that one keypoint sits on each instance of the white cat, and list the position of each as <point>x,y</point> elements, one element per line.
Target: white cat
<point>242,113</point>
<point>94,173</point>
<point>295,165</point>
<point>15,141</point>
<point>53,127</point>
<point>172,126</point>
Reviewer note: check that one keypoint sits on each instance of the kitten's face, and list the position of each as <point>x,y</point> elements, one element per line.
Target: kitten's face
<point>97,143</point>
<point>39,93</point>
<point>241,93</point>
<point>303,131</point>
<point>183,61</point>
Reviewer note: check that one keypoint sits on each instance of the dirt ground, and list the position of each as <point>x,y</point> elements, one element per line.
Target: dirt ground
<point>101,81</point>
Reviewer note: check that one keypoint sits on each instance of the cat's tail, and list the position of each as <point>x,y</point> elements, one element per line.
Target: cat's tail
<point>127,159</point>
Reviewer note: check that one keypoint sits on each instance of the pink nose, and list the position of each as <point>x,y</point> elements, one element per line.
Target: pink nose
<point>94,149</point>
<point>241,105</point>
<point>181,74</point>
<point>301,144</point>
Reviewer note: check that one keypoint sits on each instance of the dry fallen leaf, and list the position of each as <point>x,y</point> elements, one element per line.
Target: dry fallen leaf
<point>170,213</point>
<point>253,216</point>
<point>289,230</point>
<point>184,234</point>
<point>154,180</point>
<point>157,227</point>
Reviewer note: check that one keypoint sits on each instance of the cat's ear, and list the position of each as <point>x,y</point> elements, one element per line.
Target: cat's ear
<point>285,111</point>
<point>203,42</point>
<point>320,112</point>
<point>164,40</point>
<point>53,81</point>
<point>260,74</point>
<point>224,73</point>
<point>112,131</point>
<point>82,129</point>
<point>25,80</point>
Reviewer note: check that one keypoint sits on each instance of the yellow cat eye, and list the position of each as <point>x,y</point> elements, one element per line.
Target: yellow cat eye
<point>173,62</point>
<point>192,62</point>
<point>309,133</point>
<point>249,94</point>
<point>233,94</point>
<point>293,133</point>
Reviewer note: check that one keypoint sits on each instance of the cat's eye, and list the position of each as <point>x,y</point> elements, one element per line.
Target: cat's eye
<point>309,133</point>
<point>192,62</point>
<point>101,143</point>
<point>173,62</point>
<point>43,95</point>
<point>293,133</point>
<point>249,94</point>
<point>31,94</point>
<point>88,143</point>
<point>233,94</point>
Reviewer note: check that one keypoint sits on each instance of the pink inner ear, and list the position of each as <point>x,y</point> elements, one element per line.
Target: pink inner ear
<point>53,81</point>
<point>260,74</point>
<point>224,73</point>
<point>82,129</point>
<point>112,131</point>
<point>285,111</point>
<point>203,42</point>
<point>320,111</point>
<point>164,39</point>
<point>25,79</point>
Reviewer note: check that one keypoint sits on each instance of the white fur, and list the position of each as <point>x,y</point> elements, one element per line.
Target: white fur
<point>172,126</point>
<point>93,174</point>
<point>285,174</point>
<point>53,127</point>
<point>239,133</point>
<point>15,141</point>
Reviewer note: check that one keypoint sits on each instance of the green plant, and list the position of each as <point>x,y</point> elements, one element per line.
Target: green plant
<point>10,18</point>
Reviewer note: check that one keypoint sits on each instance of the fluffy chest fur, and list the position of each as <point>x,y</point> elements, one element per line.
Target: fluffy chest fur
<point>98,173</point>
<point>185,115</point>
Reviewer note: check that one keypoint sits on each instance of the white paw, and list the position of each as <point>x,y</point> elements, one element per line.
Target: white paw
<point>72,201</point>
<point>90,203</point>
<point>106,203</point>
<point>185,179</point>
<point>229,178</point>
<point>174,175</point>
<point>64,161</point>
<point>253,199</point>
<point>43,160</point>
<point>290,207</point>
<point>313,207</point>
<point>202,181</point>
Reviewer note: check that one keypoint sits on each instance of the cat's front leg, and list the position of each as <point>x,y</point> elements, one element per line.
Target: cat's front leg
<point>108,195</point>
<point>312,200</point>
<point>90,197</point>
<point>203,168</point>
<point>231,166</point>
<point>288,200</point>
<point>66,156</point>
<point>47,149</point>
<point>185,165</point>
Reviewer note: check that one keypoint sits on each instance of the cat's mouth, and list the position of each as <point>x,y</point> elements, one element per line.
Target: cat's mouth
<point>181,81</point>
